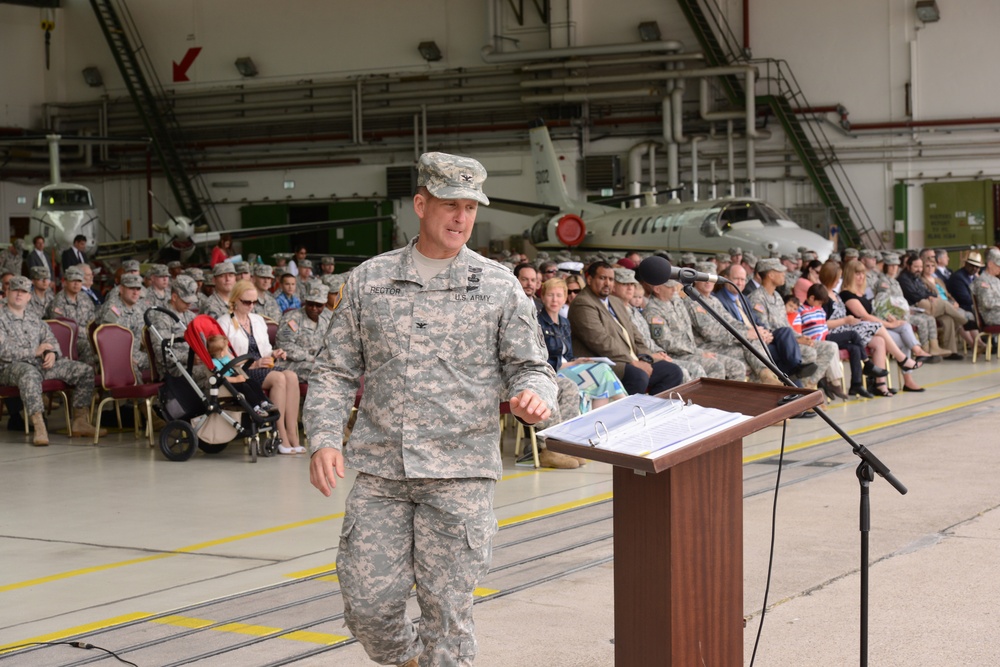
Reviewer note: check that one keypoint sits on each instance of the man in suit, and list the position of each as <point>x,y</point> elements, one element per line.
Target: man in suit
<point>73,256</point>
<point>601,328</point>
<point>38,256</point>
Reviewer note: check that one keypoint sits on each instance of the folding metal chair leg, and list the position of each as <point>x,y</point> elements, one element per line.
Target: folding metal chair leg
<point>149,420</point>
<point>69,420</point>
<point>100,412</point>
<point>24,411</point>
<point>534,444</point>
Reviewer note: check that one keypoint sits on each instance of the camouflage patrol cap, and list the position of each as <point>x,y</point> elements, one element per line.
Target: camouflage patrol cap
<point>305,264</point>
<point>242,267</point>
<point>705,267</point>
<point>39,273</point>
<point>721,257</point>
<point>282,255</point>
<point>328,261</point>
<point>735,250</point>
<point>130,266</point>
<point>159,271</point>
<point>131,281</point>
<point>195,274</point>
<point>317,292</point>
<point>73,273</point>
<point>750,259</point>
<point>851,253</point>
<point>809,256</point>
<point>19,283</point>
<point>834,256</point>
<point>689,258</point>
<point>452,177</point>
<point>890,259</point>
<point>263,271</point>
<point>185,287</point>
<point>334,281</point>
<point>176,264</point>
<point>769,264</point>
<point>867,253</point>
<point>222,268</point>
<point>625,276</point>
<point>790,257</point>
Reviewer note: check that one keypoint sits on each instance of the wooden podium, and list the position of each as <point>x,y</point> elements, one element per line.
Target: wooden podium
<point>678,533</point>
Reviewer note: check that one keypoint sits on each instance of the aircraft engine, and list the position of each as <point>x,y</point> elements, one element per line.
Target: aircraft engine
<point>569,229</point>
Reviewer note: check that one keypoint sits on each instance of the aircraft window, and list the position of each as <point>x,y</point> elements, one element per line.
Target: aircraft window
<point>656,224</point>
<point>738,213</point>
<point>645,225</point>
<point>635,227</point>
<point>614,232</point>
<point>77,198</point>
<point>770,215</point>
<point>709,226</point>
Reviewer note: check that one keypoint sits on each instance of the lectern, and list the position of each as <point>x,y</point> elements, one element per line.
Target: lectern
<point>678,532</point>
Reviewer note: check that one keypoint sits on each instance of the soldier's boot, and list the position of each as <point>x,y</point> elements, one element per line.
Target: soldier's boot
<point>936,349</point>
<point>81,424</point>
<point>412,662</point>
<point>549,459</point>
<point>41,438</point>
<point>767,376</point>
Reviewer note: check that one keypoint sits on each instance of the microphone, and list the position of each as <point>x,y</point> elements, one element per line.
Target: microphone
<point>656,270</point>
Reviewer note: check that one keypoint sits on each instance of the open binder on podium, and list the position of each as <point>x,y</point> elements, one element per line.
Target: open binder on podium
<point>642,425</point>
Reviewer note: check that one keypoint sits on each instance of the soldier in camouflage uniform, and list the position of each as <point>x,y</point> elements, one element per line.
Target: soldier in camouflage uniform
<point>442,335</point>
<point>158,293</point>
<point>986,288</point>
<point>770,308</point>
<point>267,306</point>
<point>792,261</point>
<point>29,353</point>
<point>198,276</point>
<point>73,304</point>
<point>301,331</point>
<point>872,275</point>
<point>12,259</point>
<point>130,267</point>
<point>327,265</point>
<point>335,283</point>
<point>183,295</point>
<point>243,271</point>
<point>711,336</point>
<point>305,279</point>
<point>128,312</point>
<point>217,304</point>
<point>41,292</point>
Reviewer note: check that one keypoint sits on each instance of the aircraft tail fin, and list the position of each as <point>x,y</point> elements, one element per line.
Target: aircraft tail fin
<point>549,180</point>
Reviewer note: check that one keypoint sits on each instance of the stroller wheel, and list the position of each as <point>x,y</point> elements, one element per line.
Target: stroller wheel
<point>253,444</point>
<point>178,441</point>
<point>269,444</point>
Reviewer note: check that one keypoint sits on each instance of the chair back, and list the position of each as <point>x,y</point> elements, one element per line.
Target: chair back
<point>272,331</point>
<point>113,344</point>
<point>65,335</point>
<point>980,322</point>
<point>75,326</point>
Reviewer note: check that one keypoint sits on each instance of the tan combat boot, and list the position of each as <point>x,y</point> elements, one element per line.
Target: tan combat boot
<point>550,459</point>
<point>81,424</point>
<point>41,438</point>
<point>412,662</point>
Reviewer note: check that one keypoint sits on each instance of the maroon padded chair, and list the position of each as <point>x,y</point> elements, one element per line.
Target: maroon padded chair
<point>118,380</point>
<point>64,336</point>
<point>987,333</point>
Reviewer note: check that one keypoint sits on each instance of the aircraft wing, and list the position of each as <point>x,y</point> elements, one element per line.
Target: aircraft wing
<point>522,207</point>
<point>204,238</point>
<point>111,249</point>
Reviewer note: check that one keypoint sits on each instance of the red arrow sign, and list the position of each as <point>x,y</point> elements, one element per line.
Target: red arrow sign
<point>180,71</point>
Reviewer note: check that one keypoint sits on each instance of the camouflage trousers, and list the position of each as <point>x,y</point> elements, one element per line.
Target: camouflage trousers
<point>27,377</point>
<point>736,353</point>
<point>569,404</point>
<point>720,366</point>
<point>926,327</point>
<point>301,368</point>
<point>822,354</point>
<point>437,533</point>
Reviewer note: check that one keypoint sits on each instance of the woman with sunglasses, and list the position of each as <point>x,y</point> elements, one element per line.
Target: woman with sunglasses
<point>574,285</point>
<point>247,332</point>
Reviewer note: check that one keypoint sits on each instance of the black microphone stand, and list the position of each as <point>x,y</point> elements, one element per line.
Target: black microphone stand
<point>869,466</point>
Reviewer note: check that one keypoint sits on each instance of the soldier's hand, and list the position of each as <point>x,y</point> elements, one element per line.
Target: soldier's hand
<point>325,467</point>
<point>40,350</point>
<point>529,407</point>
<point>48,360</point>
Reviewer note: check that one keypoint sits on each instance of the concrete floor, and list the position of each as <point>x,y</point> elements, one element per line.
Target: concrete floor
<point>90,537</point>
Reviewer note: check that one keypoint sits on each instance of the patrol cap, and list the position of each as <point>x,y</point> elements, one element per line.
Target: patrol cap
<point>73,273</point>
<point>721,257</point>
<point>890,259</point>
<point>242,267</point>
<point>993,256</point>
<point>159,271</point>
<point>867,253</point>
<point>735,250</point>
<point>809,256</point>
<point>452,177</point>
<point>185,287</point>
<point>195,274</point>
<point>222,268</point>
<point>834,256</point>
<point>263,271</point>
<point>853,253</point>
<point>327,261</point>
<point>790,257</point>
<point>705,267</point>
<point>625,276</point>
<point>305,264</point>
<point>769,264</point>
<point>751,260</point>
<point>317,292</point>
<point>39,273</point>
<point>176,264</point>
<point>975,259</point>
<point>130,266</point>
<point>689,258</point>
<point>131,280</point>
<point>19,283</point>
<point>334,281</point>
<point>282,255</point>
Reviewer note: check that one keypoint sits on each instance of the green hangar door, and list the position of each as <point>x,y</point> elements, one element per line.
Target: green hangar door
<point>358,241</point>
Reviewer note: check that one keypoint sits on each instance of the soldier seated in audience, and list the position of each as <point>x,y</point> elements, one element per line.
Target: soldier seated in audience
<point>158,293</point>
<point>986,289</point>
<point>41,292</point>
<point>267,305</point>
<point>300,333</point>
<point>183,295</point>
<point>72,304</point>
<point>224,277</point>
<point>327,266</point>
<point>128,311</point>
<point>242,271</point>
<point>29,353</point>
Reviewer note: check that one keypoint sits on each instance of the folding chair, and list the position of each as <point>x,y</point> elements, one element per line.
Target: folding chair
<point>117,377</point>
<point>987,333</point>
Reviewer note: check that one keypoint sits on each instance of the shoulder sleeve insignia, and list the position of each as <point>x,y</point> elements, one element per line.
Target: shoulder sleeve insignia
<point>657,320</point>
<point>293,325</point>
<point>759,307</point>
<point>114,309</point>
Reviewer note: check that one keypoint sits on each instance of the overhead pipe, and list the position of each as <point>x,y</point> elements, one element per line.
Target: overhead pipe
<point>585,64</point>
<point>587,97</point>
<point>635,169</point>
<point>652,168</point>
<point>730,159</point>
<point>694,167</point>
<point>489,54</point>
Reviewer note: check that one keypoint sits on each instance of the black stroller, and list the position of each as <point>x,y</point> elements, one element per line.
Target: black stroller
<point>207,422</point>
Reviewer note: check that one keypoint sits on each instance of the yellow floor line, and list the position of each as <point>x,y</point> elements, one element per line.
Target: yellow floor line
<point>78,630</point>
<point>322,638</point>
<point>322,569</point>
<point>555,509</point>
<point>485,592</point>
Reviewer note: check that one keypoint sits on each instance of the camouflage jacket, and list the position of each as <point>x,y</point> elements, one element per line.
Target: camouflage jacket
<point>437,360</point>
<point>301,339</point>
<point>38,307</point>
<point>670,326</point>
<point>769,308</point>
<point>82,311</point>
<point>986,290</point>
<point>20,336</point>
<point>267,306</point>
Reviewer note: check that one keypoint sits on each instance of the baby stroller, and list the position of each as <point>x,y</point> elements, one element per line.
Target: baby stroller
<point>209,422</point>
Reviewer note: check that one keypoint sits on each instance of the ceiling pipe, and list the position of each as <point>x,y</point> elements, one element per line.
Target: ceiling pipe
<point>635,169</point>
<point>586,64</point>
<point>489,54</point>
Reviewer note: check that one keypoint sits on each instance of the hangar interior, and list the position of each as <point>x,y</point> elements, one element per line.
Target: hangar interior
<point>217,561</point>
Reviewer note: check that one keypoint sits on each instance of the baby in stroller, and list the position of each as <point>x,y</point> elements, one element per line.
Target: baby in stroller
<point>218,347</point>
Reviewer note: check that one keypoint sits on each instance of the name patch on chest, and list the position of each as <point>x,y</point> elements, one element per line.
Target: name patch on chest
<point>379,289</point>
